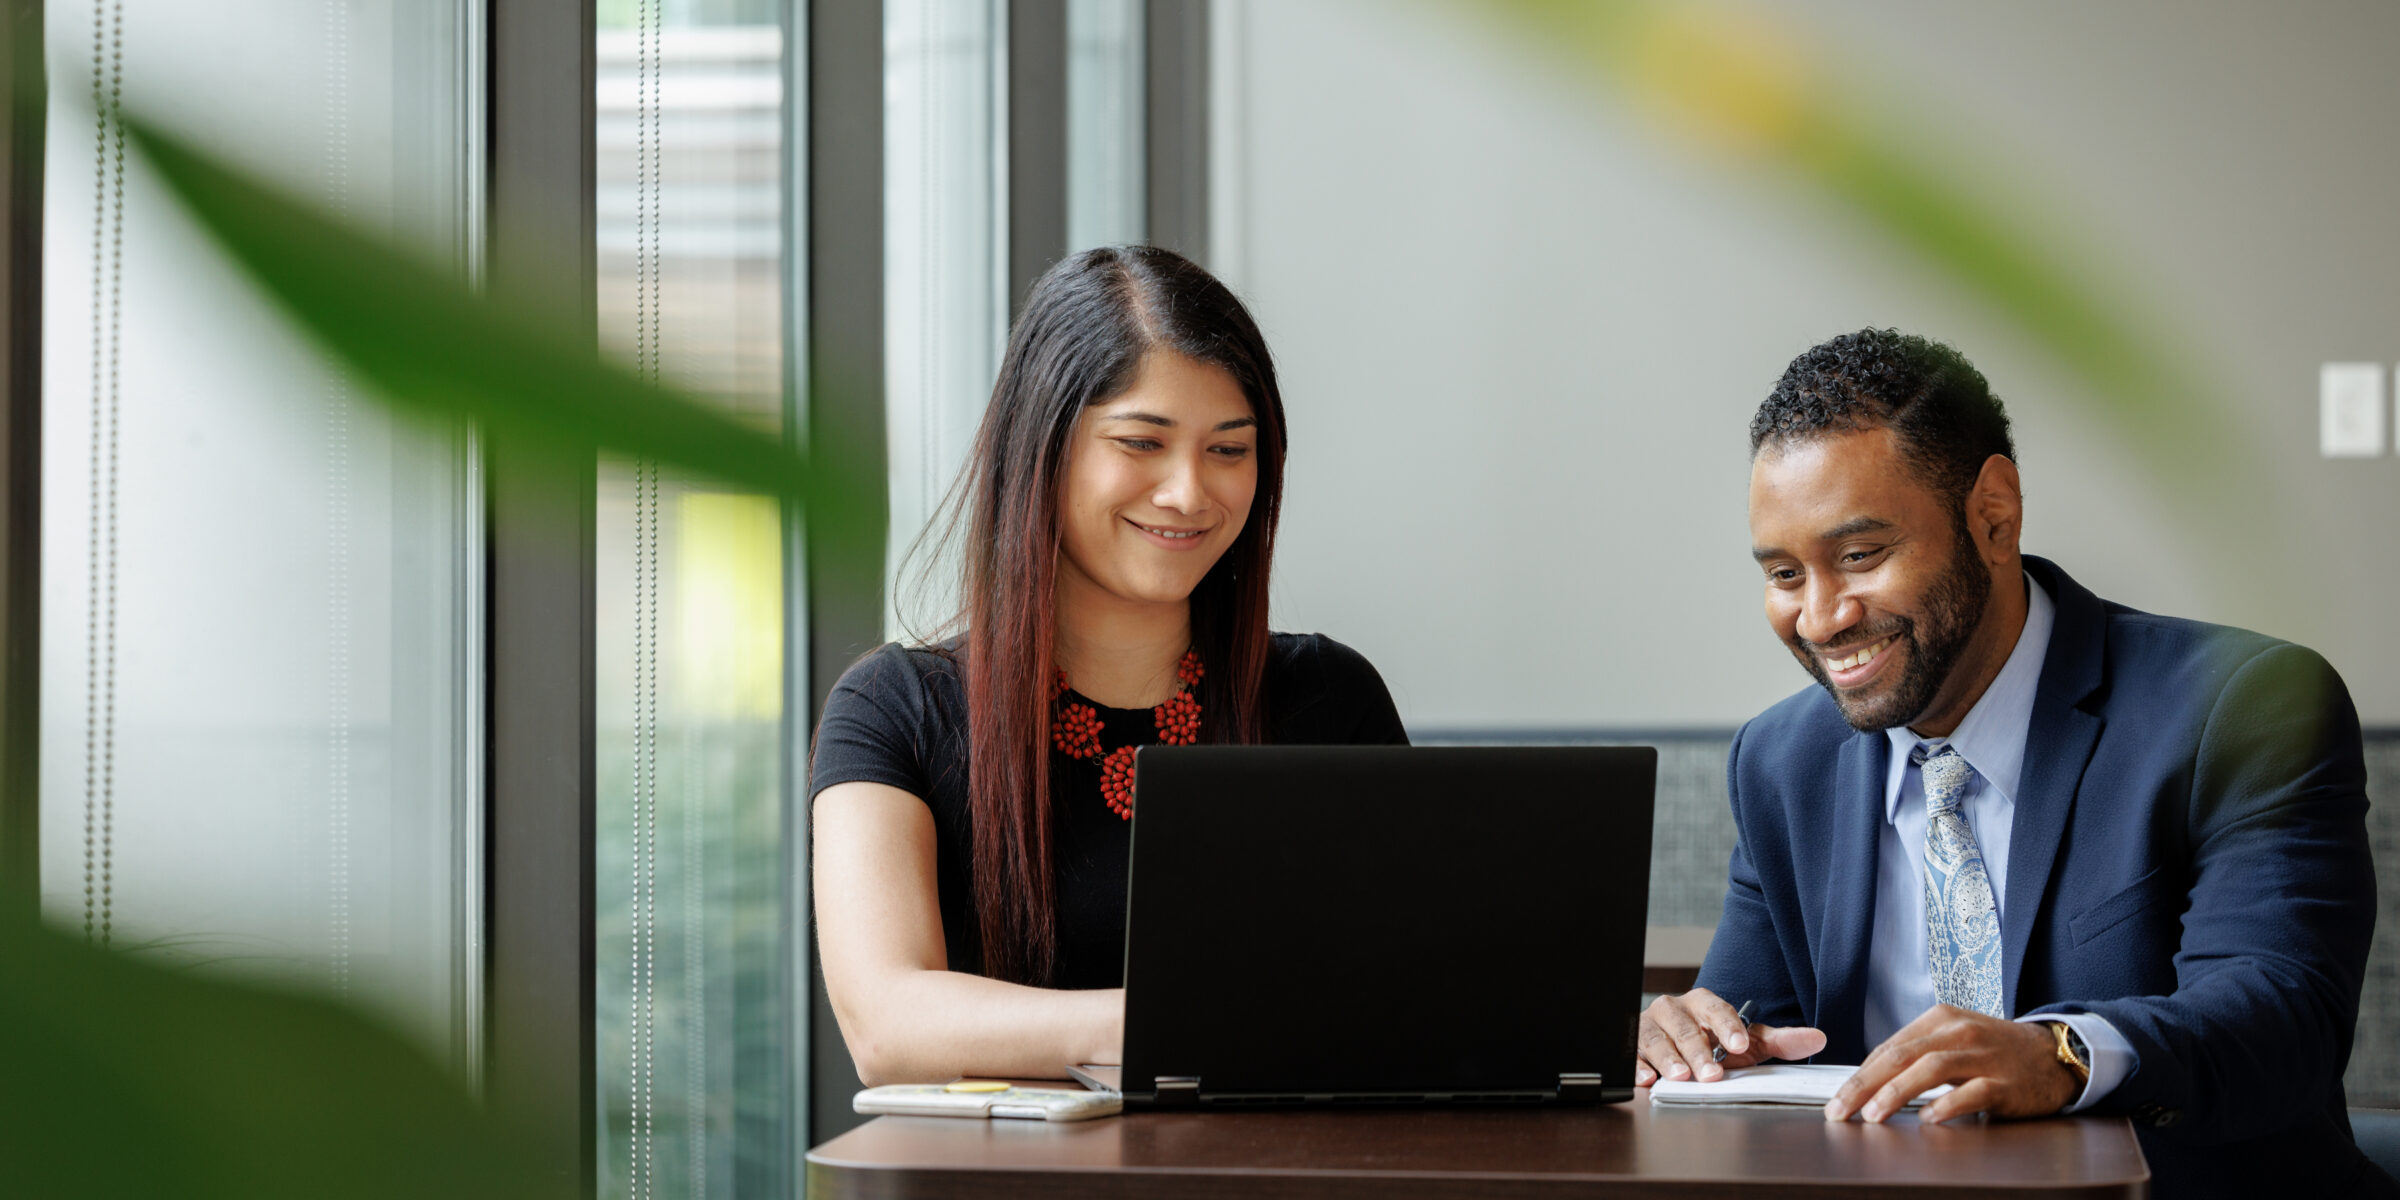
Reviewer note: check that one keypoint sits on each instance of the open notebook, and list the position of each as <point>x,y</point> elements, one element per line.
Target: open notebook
<point>1773,1083</point>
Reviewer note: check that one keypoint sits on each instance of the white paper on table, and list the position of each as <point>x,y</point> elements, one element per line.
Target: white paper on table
<point>1771,1083</point>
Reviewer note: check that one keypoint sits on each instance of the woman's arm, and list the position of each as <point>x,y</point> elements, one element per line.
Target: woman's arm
<point>905,1016</point>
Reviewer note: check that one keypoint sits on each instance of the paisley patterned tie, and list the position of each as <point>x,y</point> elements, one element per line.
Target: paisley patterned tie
<point>1962,922</point>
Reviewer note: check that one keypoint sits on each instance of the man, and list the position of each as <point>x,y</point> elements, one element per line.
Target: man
<point>2057,853</point>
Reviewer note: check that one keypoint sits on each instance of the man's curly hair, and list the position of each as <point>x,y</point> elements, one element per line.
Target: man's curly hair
<point>1931,398</point>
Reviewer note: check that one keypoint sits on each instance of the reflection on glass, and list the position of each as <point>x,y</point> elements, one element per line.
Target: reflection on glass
<point>259,661</point>
<point>690,601</point>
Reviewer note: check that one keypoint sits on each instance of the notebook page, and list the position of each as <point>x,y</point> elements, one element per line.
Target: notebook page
<point>1771,1083</point>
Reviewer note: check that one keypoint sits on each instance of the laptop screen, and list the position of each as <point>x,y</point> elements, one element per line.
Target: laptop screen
<point>1331,923</point>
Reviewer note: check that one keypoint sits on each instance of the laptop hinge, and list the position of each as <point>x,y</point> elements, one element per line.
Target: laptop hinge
<point>1177,1091</point>
<point>1579,1086</point>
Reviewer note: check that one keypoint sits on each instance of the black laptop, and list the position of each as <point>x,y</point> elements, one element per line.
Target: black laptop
<point>1385,925</point>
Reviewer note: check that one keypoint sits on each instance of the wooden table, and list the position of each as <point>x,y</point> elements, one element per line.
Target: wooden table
<point>1452,1154</point>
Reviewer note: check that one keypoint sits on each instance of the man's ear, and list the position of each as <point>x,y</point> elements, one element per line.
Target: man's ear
<point>1996,510</point>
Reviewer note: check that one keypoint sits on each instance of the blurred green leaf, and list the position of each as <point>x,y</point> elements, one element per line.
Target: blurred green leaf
<point>150,1084</point>
<point>519,369</point>
<point>1729,79</point>
<point>125,1078</point>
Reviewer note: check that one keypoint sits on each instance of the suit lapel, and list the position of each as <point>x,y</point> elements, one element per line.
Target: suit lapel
<point>2058,745</point>
<point>1849,903</point>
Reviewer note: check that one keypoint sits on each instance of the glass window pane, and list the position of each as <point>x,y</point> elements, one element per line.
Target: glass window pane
<point>693,1030</point>
<point>945,289</point>
<point>260,590</point>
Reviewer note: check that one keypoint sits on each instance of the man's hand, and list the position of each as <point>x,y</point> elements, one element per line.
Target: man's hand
<point>2005,1068</point>
<point>1679,1034</point>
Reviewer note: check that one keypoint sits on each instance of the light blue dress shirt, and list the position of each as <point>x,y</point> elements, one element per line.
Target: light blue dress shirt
<point>1992,740</point>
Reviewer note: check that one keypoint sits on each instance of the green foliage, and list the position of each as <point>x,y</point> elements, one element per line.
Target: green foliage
<point>524,372</point>
<point>125,1078</point>
<point>1736,82</point>
<point>720,875</point>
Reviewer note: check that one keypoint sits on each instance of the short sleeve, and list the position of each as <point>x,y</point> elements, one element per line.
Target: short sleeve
<point>1337,698</point>
<point>876,727</point>
<point>1359,687</point>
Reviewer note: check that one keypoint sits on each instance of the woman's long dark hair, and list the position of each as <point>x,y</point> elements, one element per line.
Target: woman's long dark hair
<point>1081,339</point>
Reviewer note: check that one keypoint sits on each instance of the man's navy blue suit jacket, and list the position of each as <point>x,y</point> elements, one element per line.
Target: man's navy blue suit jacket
<point>2189,860</point>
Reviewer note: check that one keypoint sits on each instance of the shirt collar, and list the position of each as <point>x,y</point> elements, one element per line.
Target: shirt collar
<point>1992,736</point>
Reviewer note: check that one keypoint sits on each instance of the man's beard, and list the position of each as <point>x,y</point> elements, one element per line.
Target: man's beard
<point>1953,609</point>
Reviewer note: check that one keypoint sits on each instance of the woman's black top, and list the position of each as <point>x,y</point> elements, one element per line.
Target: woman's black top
<point>900,718</point>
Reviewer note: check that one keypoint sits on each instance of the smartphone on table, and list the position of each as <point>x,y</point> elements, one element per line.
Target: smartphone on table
<point>986,1098</point>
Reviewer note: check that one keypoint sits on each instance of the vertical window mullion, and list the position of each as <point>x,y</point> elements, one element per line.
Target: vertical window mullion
<point>540,580</point>
<point>22,91</point>
<point>844,339</point>
<point>1037,143</point>
<point>1177,34</point>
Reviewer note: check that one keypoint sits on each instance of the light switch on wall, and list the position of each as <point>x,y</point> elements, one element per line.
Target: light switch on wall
<point>2350,410</point>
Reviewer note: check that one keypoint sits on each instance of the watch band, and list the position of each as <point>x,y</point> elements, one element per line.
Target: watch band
<point>2071,1050</point>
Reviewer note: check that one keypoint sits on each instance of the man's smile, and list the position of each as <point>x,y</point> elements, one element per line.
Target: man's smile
<point>1853,669</point>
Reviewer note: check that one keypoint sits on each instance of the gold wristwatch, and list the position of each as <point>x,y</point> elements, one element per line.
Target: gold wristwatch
<point>2071,1050</point>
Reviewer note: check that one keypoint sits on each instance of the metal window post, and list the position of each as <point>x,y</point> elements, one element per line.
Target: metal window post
<point>792,942</point>
<point>844,340</point>
<point>541,1054</point>
<point>1176,39</point>
<point>1037,142</point>
<point>22,89</point>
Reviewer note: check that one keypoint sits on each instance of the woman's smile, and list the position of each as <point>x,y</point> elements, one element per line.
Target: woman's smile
<point>1170,537</point>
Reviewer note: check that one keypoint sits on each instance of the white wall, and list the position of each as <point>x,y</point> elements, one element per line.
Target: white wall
<point>1521,332</point>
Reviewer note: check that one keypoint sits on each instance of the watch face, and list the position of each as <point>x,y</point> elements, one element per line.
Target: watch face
<point>2075,1046</point>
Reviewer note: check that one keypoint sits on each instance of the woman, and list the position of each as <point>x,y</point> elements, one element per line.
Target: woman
<point>973,797</point>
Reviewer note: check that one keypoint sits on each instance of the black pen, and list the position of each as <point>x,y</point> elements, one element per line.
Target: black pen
<point>1744,1017</point>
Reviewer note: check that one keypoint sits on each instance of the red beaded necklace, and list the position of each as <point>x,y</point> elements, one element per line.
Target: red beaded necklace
<point>1075,731</point>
